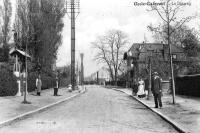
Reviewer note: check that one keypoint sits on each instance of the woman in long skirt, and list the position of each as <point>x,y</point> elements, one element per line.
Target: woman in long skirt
<point>141,92</point>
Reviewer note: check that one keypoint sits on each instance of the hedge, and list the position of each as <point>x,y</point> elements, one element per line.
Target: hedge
<point>8,82</point>
<point>64,81</point>
<point>188,85</point>
<point>47,81</point>
<point>4,54</point>
<point>121,83</point>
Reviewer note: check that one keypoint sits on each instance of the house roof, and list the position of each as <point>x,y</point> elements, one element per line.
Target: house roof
<point>18,52</point>
<point>146,45</point>
<point>156,47</point>
<point>176,49</point>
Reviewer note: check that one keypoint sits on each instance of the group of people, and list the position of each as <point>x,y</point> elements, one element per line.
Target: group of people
<point>141,88</point>
<point>39,85</point>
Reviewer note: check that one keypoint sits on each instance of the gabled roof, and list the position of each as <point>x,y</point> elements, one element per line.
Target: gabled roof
<point>176,49</point>
<point>18,52</point>
<point>144,47</point>
<point>147,45</point>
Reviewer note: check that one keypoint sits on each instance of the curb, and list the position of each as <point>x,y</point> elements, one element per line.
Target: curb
<point>20,117</point>
<point>164,117</point>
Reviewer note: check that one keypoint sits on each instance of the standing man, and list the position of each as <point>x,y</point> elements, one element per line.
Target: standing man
<point>56,86</point>
<point>157,89</point>
<point>38,85</point>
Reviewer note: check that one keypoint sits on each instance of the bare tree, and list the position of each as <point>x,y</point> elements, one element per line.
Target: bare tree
<point>6,12</point>
<point>168,13</point>
<point>110,51</point>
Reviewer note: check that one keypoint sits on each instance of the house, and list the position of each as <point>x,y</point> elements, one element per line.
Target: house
<point>139,54</point>
<point>143,50</point>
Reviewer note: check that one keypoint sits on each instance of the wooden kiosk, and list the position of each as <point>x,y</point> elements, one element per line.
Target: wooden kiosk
<point>18,68</point>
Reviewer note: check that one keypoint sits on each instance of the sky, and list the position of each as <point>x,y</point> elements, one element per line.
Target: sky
<point>98,16</point>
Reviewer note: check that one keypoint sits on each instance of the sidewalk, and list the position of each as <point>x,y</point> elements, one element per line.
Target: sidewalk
<point>11,107</point>
<point>185,113</point>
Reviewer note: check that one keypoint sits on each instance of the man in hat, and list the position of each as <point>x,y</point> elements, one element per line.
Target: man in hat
<point>157,89</point>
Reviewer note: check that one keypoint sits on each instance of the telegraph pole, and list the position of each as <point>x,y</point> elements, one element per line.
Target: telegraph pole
<point>72,45</point>
<point>73,10</point>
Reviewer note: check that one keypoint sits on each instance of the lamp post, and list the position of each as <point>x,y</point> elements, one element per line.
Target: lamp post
<point>26,76</point>
<point>82,69</point>
<point>128,69</point>
<point>132,65</point>
<point>18,69</point>
<point>17,66</point>
<point>97,77</point>
<point>150,51</point>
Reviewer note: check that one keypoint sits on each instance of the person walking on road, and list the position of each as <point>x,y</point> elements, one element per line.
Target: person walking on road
<point>157,89</point>
<point>38,85</point>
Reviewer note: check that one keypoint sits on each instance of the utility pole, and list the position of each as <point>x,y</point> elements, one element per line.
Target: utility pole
<point>82,69</point>
<point>73,9</point>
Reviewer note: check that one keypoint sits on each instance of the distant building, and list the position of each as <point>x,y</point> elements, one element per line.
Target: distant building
<point>92,78</point>
<point>100,77</point>
<point>103,76</point>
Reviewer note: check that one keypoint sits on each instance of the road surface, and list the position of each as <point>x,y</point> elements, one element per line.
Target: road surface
<point>99,110</point>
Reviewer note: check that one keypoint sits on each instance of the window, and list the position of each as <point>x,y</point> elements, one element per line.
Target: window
<point>174,56</point>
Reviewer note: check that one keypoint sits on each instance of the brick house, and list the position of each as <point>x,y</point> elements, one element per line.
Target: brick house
<point>139,53</point>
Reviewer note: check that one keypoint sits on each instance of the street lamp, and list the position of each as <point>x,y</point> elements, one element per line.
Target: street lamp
<point>82,69</point>
<point>150,51</point>
<point>128,55</point>
<point>26,76</point>
<point>25,90</point>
